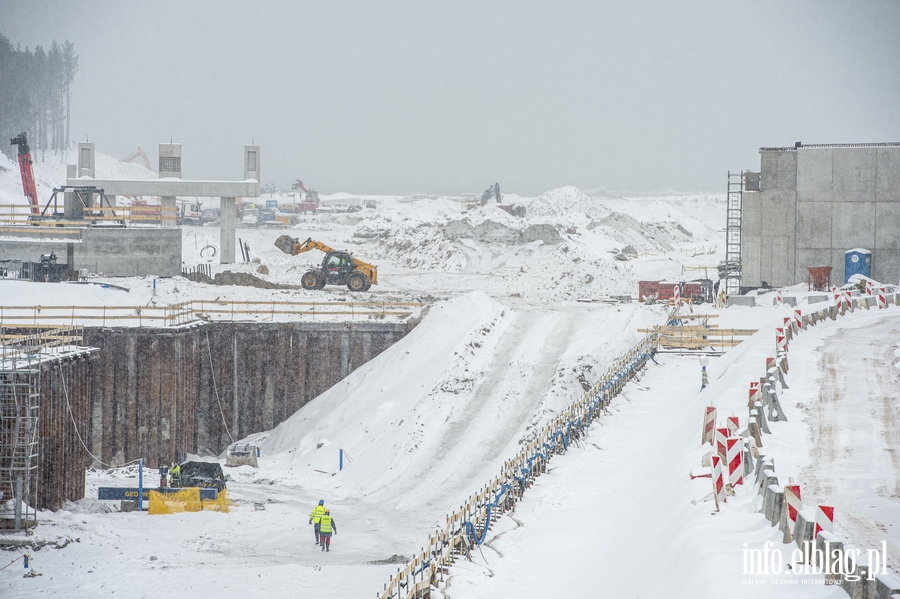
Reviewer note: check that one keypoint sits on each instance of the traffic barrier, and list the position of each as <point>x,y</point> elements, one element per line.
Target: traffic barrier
<point>721,435</point>
<point>832,548</point>
<point>773,502</point>
<point>798,320</point>
<point>780,339</point>
<point>734,459</point>
<point>732,423</point>
<point>753,394</point>
<point>718,481</point>
<point>803,529</point>
<point>776,414</point>
<point>779,299</point>
<point>753,428</point>
<point>676,294</point>
<point>882,298</point>
<point>824,519</point>
<point>793,504</point>
<point>869,287</point>
<point>761,418</point>
<point>709,425</point>
<point>766,480</point>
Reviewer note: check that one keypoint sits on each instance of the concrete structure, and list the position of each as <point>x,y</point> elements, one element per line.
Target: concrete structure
<point>815,203</point>
<point>170,186</point>
<point>111,251</point>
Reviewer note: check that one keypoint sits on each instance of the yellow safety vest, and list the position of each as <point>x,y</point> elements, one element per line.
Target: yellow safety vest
<point>317,513</point>
<point>325,523</point>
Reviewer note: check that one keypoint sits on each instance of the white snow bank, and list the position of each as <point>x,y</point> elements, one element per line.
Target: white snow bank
<point>417,386</point>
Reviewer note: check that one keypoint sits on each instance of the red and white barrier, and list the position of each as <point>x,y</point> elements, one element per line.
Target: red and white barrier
<point>734,458</point>
<point>709,425</point>
<point>798,319</point>
<point>794,504</point>
<point>824,520</point>
<point>780,339</point>
<point>754,393</point>
<point>718,481</point>
<point>676,293</point>
<point>732,423</point>
<point>882,298</point>
<point>779,300</point>
<point>870,288</point>
<point>721,436</point>
<point>846,303</point>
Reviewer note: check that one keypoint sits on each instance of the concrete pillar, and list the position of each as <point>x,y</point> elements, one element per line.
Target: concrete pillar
<point>71,205</point>
<point>86,159</point>
<point>251,163</point>
<point>226,230</point>
<point>170,160</point>
<point>169,211</point>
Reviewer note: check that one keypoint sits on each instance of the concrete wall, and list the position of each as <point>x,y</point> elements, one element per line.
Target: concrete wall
<point>113,252</point>
<point>814,204</point>
<point>158,392</point>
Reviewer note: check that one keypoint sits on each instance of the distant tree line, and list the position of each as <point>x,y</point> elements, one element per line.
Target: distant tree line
<point>34,94</point>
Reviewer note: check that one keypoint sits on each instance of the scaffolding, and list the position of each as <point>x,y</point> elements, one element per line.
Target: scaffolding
<point>732,267</point>
<point>24,353</point>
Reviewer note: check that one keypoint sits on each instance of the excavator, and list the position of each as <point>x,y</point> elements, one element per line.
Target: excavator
<point>338,267</point>
<point>311,203</point>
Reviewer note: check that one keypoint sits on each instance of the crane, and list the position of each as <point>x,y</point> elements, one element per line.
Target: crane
<point>311,203</point>
<point>27,172</point>
<point>338,267</point>
<point>138,153</point>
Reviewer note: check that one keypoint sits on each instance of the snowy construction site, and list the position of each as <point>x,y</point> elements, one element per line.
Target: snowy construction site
<point>524,397</point>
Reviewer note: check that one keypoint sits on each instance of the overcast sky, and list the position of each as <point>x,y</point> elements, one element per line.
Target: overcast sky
<point>449,97</point>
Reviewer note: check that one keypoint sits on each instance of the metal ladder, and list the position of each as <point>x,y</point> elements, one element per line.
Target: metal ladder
<point>733,233</point>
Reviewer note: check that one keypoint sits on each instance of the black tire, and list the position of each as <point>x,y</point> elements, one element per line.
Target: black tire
<point>357,281</point>
<point>311,280</point>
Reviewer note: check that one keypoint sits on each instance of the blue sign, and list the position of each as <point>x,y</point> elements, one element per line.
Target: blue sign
<point>131,493</point>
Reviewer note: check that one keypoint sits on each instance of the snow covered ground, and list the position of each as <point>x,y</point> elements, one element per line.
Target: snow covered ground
<point>521,324</point>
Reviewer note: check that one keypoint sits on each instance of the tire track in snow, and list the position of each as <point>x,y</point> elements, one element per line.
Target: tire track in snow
<point>855,441</point>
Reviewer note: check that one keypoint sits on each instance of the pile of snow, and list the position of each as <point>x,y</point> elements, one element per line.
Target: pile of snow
<point>566,202</point>
<point>418,385</point>
<point>572,272</point>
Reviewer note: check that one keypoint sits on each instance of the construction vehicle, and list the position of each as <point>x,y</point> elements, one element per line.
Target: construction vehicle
<point>139,153</point>
<point>491,192</point>
<point>311,201</point>
<point>190,213</point>
<point>27,172</point>
<point>338,267</point>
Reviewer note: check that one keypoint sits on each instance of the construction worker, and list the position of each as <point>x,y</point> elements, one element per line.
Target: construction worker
<point>175,474</point>
<point>315,517</point>
<point>327,527</point>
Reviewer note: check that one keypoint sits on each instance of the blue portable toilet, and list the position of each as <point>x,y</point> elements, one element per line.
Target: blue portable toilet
<point>857,262</point>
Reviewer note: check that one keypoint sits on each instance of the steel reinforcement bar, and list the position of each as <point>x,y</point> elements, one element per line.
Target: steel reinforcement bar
<point>469,525</point>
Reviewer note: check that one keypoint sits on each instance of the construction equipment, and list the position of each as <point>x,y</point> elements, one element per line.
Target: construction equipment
<point>26,170</point>
<point>338,267</point>
<point>311,202</point>
<point>139,153</point>
<point>491,192</point>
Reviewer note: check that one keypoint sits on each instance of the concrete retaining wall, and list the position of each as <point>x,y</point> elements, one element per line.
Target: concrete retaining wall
<point>156,393</point>
<point>110,251</point>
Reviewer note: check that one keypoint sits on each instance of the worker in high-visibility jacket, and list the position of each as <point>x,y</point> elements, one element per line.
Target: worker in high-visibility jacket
<point>315,517</point>
<point>327,527</point>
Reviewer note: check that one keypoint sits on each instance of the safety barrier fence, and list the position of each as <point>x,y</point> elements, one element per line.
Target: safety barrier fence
<point>469,525</point>
<point>811,529</point>
<point>202,310</point>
